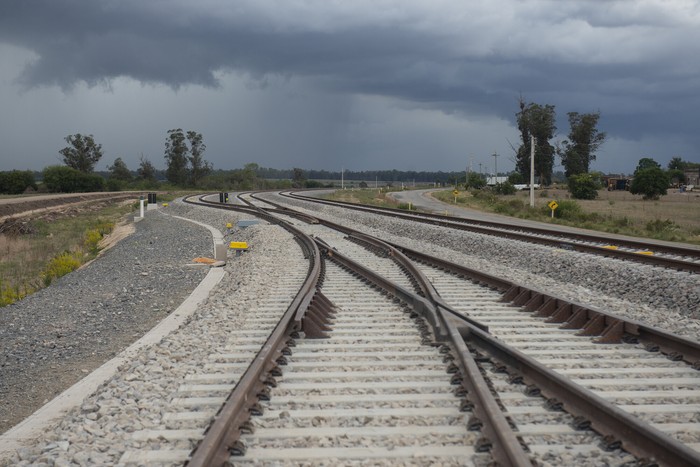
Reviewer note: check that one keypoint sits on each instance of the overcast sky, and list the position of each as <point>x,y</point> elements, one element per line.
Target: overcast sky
<point>354,84</point>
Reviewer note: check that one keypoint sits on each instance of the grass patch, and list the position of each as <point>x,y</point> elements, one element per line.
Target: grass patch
<point>55,246</point>
<point>675,217</point>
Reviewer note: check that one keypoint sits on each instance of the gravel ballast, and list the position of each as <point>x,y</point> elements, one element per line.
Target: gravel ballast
<point>658,297</point>
<point>59,334</point>
<point>100,315</point>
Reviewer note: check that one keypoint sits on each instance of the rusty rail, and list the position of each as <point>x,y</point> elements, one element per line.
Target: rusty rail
<point>516,233</point>
<point>637,437</point>
<point>503,443</point>
<point>222,436</point>
<point>591,321</point>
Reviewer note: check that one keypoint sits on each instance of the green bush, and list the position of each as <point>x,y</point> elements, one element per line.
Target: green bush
<point>92,240</point>
<point>60,266</point>
<point>9,295</point>
<point>16,182</point>
<point>505,188</point>
<point>62,179</point>
<point>516,178</point>
<point>475,181</point>
<point>568,210</point>
<point>583,186</point>
<point>658,226</point>
<point>651,183</point>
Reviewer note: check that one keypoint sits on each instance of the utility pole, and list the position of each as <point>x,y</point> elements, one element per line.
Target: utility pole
<point>480,171</point>
<point>342,178</point>
<point>495,165</point>
<point>532,171</point>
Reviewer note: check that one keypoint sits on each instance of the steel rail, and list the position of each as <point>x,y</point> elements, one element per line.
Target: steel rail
<point>506,449</point>
<point>636,437</point>
<point>571,315</point>
<point>487,228</point>
<point>221,437</point>
<point>505,446</point>
<point>609,327</point>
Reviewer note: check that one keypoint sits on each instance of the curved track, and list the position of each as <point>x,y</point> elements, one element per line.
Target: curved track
<point>622,401</point>
<point>679,257</point>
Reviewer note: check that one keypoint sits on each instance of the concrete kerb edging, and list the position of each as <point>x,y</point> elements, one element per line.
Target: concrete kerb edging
<point>216,235</point>
<point>34,427</point>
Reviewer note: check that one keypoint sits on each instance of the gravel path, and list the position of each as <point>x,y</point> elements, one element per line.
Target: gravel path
<point>61,333</point>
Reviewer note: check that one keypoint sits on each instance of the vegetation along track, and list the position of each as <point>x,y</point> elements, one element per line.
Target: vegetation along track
<point>621,400</point>
<point>677,257</point>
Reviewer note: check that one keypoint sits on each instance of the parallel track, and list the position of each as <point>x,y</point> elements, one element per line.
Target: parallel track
<point>527,414</point>
<point>678,257</point>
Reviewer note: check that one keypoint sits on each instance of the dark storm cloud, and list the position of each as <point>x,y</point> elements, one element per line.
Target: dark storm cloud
<point>632,60</point>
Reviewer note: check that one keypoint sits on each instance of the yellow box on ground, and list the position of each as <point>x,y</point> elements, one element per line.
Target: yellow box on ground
<point>238,245</point>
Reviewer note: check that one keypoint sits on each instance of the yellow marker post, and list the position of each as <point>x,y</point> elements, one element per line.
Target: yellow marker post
<point>229,225</point>
<point>238,247</point>
<point>455,192</point>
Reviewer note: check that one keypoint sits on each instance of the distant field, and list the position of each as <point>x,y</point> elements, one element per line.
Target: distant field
<point>674,217</point>
<point>681,208</point>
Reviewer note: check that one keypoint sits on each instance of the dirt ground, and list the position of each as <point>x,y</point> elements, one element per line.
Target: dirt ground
<point>26,205</point>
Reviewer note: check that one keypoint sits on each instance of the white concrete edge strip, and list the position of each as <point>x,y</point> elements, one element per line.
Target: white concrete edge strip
<point>216,235</point>
<point>33,427</point>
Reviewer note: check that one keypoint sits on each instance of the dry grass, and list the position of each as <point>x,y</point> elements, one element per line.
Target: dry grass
<point>25,257</point>
<point>674,217</point>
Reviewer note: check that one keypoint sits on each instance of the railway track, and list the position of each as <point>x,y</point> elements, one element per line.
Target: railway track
<point>368,353</point>
<point>678,257</point>
<point>539,423</point>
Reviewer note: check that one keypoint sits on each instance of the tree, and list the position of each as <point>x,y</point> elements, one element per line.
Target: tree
<point>176,157</point>
<point>298,178</point>
<point>646,163</point>
<point>16,182</point>
<point>649,179</point>
<point>61,179</point>
<point>583,186</point>
<point>538,121</point>
<point>82,154</point>
<point>584,140</point>
<point>185,165</point>
<point>475,181</point>
<point>119,171</point>
<point>146,170</point>
<point>677,163</point>
<point>676,176</point>
<point>199,168</point>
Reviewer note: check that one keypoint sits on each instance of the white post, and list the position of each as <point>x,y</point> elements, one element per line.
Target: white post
<point>141,207</point>
<point>495,167</point>
<point>532,172</point>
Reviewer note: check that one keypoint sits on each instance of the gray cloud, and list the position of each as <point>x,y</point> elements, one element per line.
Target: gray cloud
<point>632,60</point>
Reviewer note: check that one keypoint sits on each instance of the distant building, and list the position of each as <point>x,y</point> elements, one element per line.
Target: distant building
<point>692,176</point>
<point>617,182</point>
<point>492,181</point>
